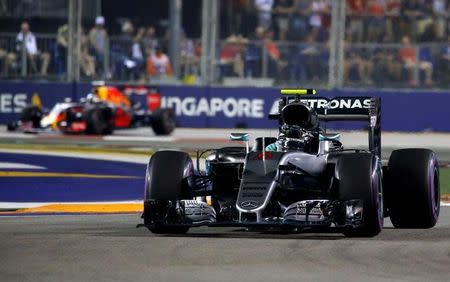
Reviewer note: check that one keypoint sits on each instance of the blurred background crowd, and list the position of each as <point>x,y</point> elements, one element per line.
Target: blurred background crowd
<point>387,43</point>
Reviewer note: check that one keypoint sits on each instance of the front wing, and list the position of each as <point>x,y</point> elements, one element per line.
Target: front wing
<point>307,213</point>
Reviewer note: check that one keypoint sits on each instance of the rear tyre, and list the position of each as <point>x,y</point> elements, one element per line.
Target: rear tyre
<point>414,188</point>
<point>163,121</point>
<point>169,176</point>
<point>359,177</point>
<point>99,121</point>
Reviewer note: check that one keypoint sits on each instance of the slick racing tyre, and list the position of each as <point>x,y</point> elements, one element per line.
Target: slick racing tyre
<point>414,188</point>
<point>360,179</point>
<point>163,121</point>
<point>31,114</point>
<point>12,126</point>
<point>99,121</point>
<point>168,179</point>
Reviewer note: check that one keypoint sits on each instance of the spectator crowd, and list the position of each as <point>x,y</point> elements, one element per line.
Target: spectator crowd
<point>387,42</point>
<point>129,55</point>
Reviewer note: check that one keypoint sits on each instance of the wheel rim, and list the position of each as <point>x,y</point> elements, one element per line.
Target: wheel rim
<point>170,122</point>
<point>380,201</point>
<point>435,197</point>
<point>378,193</point>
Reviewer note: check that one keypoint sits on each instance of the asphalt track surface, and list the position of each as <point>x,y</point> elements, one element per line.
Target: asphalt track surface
<point>111,248</point>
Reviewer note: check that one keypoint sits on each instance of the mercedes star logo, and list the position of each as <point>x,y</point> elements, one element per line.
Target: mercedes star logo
<point>249,204</point>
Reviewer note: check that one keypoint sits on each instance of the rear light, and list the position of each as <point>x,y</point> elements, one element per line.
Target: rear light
<point>78,126</point>
<point>267,155</point>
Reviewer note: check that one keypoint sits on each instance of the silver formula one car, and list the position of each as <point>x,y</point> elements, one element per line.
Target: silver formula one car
<point>303,179</point>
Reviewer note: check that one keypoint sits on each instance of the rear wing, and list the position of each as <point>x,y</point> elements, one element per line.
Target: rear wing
<point>360,108</point>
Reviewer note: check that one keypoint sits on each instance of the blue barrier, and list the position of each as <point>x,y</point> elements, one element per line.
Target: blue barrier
<point>247,107</point>
<point>401,111</point>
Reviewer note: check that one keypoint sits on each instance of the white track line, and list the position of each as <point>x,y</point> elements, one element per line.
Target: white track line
<point>140,138</point>
<point>26,205</point>
<point>445,204</point>
<point>10,165</point>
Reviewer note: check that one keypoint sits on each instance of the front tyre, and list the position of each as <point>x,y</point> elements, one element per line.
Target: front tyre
<point>168,180</point>
<point>155,225</point>
<point>414,188</point>
<point>359,176</point>
<point>12,126</point>
<point>163,121</point>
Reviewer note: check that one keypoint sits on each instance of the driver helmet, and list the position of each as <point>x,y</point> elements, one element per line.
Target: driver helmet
<point>92,98</point>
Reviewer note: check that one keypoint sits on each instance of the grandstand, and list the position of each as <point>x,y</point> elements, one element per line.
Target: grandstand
<point>385,43</point>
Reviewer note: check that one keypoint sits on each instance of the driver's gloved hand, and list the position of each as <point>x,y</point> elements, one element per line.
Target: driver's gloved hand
<point>293,133</point>
<point>272,147</point>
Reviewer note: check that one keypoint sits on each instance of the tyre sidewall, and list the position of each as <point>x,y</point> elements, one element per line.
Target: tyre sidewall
<point>163,121</point>
<point>414,188</point>
<point>360,178</point>
<point>31,114</point>
<point>99,121</point>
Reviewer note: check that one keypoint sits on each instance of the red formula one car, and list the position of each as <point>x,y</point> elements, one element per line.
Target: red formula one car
<point>103,110</point>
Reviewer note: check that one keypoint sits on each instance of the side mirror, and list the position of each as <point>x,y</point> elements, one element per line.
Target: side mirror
<point>241,137</point>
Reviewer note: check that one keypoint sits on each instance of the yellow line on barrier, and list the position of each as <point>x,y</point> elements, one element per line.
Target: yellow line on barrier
<point>84,208</point>
<point>62,174</point>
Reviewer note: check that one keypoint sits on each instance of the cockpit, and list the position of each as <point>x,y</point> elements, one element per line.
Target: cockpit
<point>300,131</point>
